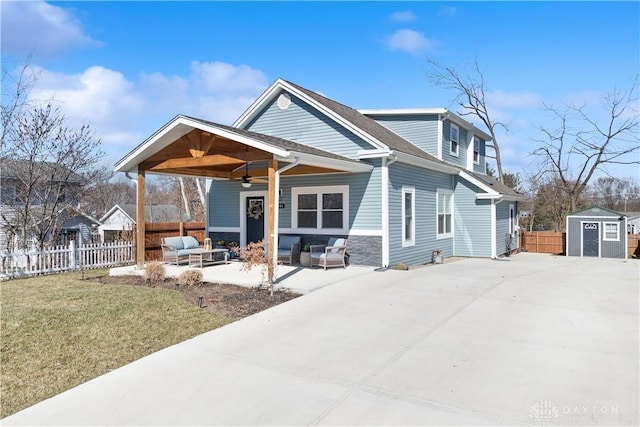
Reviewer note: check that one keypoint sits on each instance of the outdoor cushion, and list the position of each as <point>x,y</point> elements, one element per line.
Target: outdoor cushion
<point>285,242</point>
<point>189,242</point>
<point>336,242</point>
<point>174,241</point>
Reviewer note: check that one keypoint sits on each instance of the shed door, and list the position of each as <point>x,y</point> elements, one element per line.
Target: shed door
<point>590,239</point>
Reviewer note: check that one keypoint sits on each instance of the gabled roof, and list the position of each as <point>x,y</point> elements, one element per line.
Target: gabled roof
<point>157,213</point>
<point>371,131</point>
<point>612,212</point>
<point>490,184</point>
<point>281,149</point>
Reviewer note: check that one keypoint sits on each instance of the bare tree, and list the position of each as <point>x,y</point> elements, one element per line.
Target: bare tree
<point>619,194</point>
<point>471,97</point>
<point>44,163</point>
<point>572,154</point>
<point>104,190</point>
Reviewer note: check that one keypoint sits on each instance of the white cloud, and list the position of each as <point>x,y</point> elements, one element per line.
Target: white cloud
<point>410,41</point>
<point>124,112</point>
<point>41,29</point>
<point>447,11</point>
<point>403,16</point>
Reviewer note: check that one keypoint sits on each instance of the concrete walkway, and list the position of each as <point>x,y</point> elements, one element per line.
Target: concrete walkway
<point>294,278</point>
<point>531,340</point>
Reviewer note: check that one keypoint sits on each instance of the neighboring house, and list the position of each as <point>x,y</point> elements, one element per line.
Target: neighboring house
<point>596,232</point>
<point>81,228</point>
<point>119,221</point>
<point>399,184</point>
<point>52,194</point>
<point>633,222</point>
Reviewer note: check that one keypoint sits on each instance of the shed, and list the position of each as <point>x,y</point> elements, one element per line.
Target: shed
<point>596,232</point>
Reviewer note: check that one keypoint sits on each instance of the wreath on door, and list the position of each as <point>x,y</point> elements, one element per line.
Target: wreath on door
<point>255,209</point>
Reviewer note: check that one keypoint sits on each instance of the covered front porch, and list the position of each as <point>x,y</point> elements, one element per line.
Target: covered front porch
<point>293,278</point>
<point>188,146</point>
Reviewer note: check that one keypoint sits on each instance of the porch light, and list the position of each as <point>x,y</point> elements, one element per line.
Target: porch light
<point>245,182</point>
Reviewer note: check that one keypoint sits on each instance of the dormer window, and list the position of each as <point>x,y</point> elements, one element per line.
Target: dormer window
<point>454,135</point>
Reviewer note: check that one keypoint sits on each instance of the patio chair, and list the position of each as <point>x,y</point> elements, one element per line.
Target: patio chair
<point>289,249</point>
<point>330,255</point>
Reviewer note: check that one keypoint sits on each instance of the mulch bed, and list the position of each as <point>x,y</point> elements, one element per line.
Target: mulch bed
<point>230,301</point>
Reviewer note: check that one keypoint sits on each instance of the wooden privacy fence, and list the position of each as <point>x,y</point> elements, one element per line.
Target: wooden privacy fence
<point>552,242</point>
<point>65,258</point>
<point>154,232</point>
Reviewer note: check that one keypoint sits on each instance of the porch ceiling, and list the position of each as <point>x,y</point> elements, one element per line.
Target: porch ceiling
<point>192,147</point>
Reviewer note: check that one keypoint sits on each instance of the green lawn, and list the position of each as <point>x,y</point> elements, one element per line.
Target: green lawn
<point>59,331</point>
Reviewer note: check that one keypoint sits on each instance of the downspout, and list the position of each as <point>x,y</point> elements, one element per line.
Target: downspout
<point>385,207</point>
<point>276,204</point>
<point>494,227</point>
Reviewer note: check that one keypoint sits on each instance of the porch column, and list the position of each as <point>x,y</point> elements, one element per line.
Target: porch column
<point>140,231</point>
<point>273,165</point>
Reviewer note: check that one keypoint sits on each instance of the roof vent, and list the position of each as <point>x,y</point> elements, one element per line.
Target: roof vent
<point>284,100</point>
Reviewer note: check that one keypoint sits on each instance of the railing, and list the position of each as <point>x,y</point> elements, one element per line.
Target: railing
<point>65,258</point>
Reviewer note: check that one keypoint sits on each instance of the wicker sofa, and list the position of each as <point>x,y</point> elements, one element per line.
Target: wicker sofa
<point>175,249</point>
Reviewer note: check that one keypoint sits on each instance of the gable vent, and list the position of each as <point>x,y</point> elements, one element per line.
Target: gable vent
<point>284,100</point>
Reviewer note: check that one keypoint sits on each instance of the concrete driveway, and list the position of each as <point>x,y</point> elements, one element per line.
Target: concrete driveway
<point>534,340</point>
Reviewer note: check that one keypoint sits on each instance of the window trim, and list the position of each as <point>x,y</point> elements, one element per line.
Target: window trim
<point>452,140</point>
<point>604,231</point>
<point>476,152</point>
<point>449,193</point>
<point>412,241</point>
<point>319,191</point>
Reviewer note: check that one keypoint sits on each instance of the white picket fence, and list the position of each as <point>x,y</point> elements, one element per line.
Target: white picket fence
<point>66,258</point>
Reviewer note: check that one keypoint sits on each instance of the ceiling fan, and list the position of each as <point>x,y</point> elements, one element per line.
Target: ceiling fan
<point>247,179</point>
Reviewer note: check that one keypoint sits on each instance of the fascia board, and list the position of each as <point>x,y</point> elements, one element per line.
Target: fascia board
<point>372,154</point>
<point>279,84</point>
<point>258,104</point>
<point>175,129</point>
<point>424,163</point>
<point>490,191</point>
<point>343,165</point>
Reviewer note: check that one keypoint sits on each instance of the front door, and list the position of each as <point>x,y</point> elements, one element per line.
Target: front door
<point>255,219</point>
<point>590,239</point>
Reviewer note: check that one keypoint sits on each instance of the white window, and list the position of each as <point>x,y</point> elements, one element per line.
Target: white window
<point>320,208</point>
<point>476,150</point>
<point>444,201</point>
<point>408,216</point>
<point>454,135</point>
<point>611,231</point>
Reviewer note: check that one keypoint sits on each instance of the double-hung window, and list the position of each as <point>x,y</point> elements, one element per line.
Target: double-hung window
<point>320,208</point>
<point>454,137</point>
<point>611,231</point>
<point>445,217</point>
<point>408,216</point>
<point>476,150</point>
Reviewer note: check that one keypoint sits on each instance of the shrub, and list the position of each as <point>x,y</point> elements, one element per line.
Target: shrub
<point>190,278</point>
<point>402,266</point>
<point>155,271</point>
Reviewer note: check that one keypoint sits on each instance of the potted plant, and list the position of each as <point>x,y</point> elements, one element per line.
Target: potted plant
<point>305,256</point>
<point>234,249</point>
<point>220,244</point>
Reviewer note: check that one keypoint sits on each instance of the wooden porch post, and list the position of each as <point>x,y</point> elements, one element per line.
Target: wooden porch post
<point>273,165</point>
<point>140,228</point>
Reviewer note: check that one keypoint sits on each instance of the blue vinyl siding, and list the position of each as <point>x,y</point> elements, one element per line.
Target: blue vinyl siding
<point>472,223</point>
<point>502,227</point>
<point>419,130</point>
<point>464,137</point>
<point>426,184</point>
<point>480,167</point>
<point>306,125</point>
<point>364,198</point>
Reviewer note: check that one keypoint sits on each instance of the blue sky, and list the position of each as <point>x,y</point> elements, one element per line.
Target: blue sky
<point>127,68</point>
